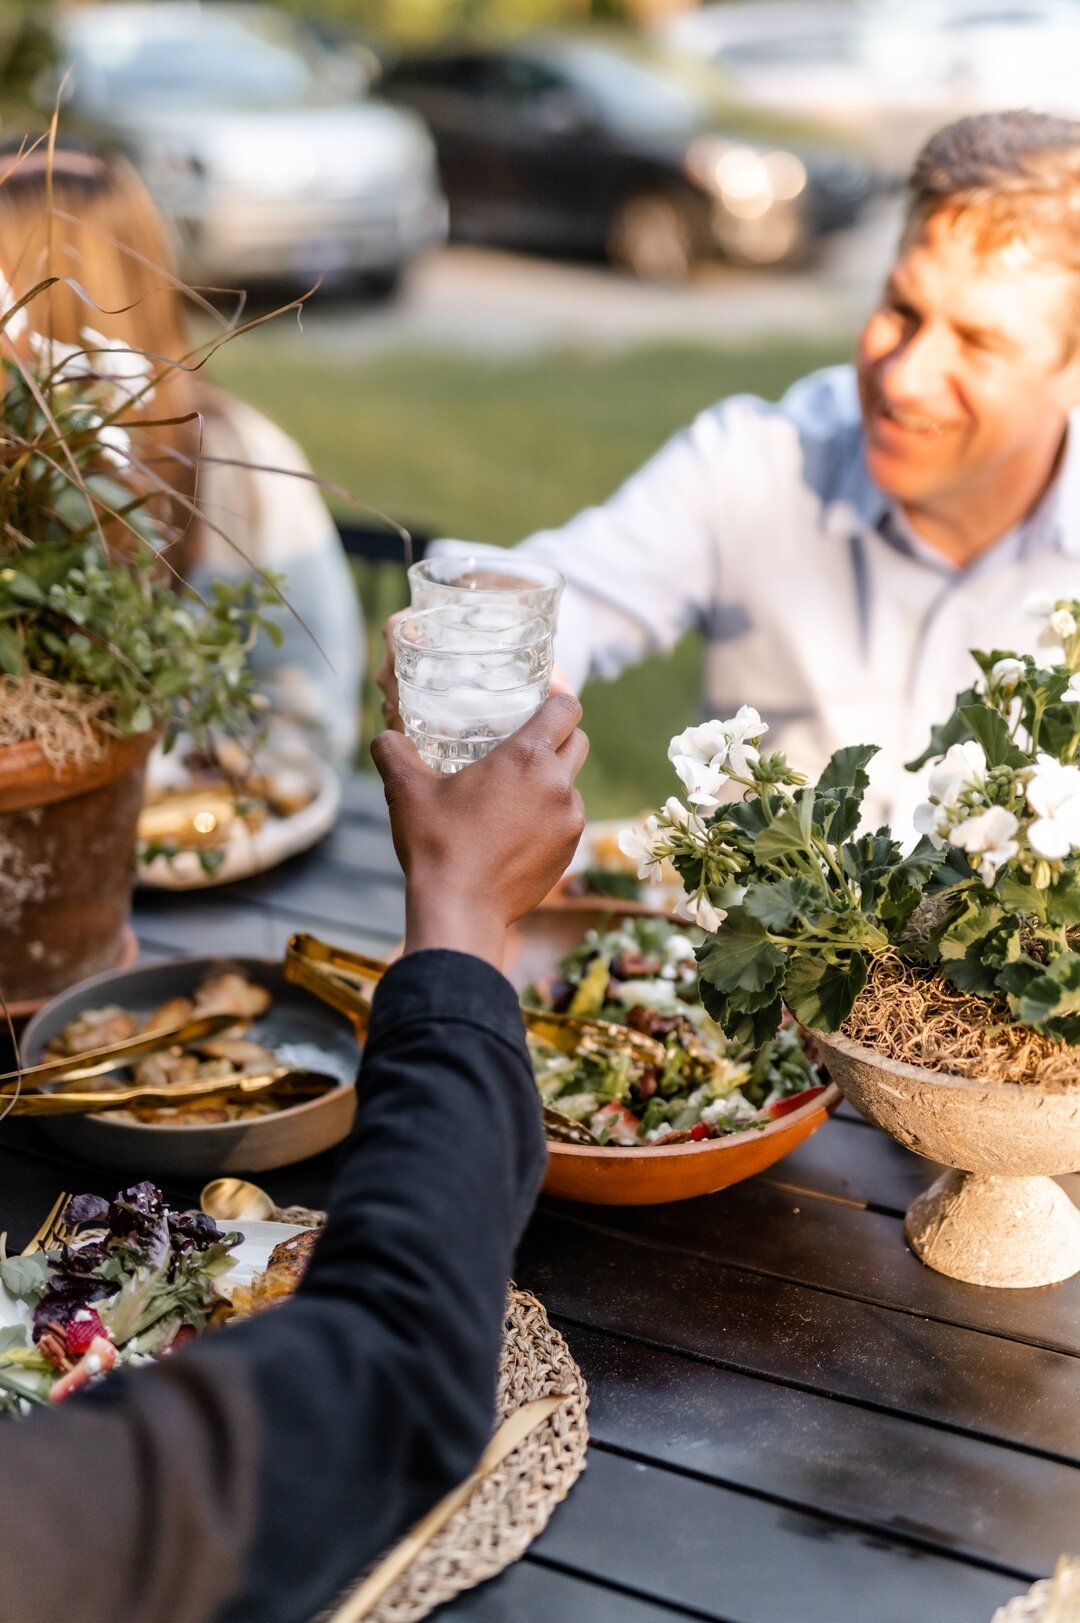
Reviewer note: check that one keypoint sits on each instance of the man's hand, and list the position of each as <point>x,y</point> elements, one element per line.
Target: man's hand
<point>483,846</point>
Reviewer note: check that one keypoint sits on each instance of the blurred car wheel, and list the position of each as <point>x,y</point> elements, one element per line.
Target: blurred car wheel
<point>779,237</point>
<point>382,285</point>
<point>651,236</point>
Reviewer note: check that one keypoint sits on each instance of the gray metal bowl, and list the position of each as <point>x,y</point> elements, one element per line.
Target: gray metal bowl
<point>296,1026</point>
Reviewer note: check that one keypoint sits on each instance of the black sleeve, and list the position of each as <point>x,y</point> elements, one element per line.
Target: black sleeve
<point>251,1477</point>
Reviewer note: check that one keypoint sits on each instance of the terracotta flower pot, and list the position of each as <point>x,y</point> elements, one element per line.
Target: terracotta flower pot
<point>67,841</point>
<point>998,1218</point>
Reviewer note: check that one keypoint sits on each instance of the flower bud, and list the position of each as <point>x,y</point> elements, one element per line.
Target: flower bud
<point>1043,874</point>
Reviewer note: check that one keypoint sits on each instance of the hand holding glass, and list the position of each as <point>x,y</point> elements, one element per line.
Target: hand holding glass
<point>469,676</point>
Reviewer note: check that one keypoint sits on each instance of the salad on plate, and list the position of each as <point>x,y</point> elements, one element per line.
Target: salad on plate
<point>642,973</point>
<point>130,1281</point>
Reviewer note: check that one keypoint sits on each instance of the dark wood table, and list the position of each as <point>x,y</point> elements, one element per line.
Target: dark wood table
<point>793,1421</point>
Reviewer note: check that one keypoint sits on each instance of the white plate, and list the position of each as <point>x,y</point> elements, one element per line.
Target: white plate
<point>251,1257</point>
<point>253,851</point>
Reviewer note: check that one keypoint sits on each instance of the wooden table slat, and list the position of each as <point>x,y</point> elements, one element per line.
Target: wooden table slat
<point>840,1248</point>
<point>800,1336</point>
<point>534,1592</point>
<point>732,1555</point>
<point>900,1477</point>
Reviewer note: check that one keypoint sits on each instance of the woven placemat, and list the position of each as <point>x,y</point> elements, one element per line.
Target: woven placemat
<point>1036,1606</point>
<point>511,1505</point>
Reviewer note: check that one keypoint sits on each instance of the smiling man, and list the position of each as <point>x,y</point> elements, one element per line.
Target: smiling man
<point>847,546</point>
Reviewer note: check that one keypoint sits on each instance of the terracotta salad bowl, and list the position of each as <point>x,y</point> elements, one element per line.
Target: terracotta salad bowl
<point>651,1174</point>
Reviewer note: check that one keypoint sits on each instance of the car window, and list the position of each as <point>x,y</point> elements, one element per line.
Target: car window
<point>778,50</point>
<point>635,95</point>
<point>201,59</point>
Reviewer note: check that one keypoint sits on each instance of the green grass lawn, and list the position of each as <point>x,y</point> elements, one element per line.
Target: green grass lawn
<point>491,450</point>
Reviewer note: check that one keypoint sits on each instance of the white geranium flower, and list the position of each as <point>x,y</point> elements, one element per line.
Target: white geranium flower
<point>115,443</point>
<point>17,323</point>
<point>1006,673</point>
<point>744,730</point>
<point>128,369</point>
<point>705,785</point>
<point>1072,692</point>
<point>1062,623</point>
<point>990,834</point>
<point>932,820</point>
<point>65,362</point>
<point>640,844</point>
<point>716,744</point>
<point>677,814</point>
<point>699,910</point>
<point>703,744</point>
<point>961,770</point>
<point>1053,793</point>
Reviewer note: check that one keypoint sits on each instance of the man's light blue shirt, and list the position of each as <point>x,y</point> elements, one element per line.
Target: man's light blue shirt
<point>822,607</point>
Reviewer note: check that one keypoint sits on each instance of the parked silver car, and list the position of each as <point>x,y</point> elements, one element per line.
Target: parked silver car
<point>251,143</point>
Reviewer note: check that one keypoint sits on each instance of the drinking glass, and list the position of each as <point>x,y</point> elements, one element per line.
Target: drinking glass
<point>469,675</point>
<point>489,573</point>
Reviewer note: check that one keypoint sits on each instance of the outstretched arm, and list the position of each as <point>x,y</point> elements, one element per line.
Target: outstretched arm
<point>252,1476</point>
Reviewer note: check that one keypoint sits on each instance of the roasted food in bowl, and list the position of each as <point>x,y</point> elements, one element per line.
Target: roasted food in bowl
<point>274,1018</point>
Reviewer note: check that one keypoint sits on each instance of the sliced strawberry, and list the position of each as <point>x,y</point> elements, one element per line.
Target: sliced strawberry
<point>98,1357</point>
<point>81,1331</point>
<point>781,1107</point>
<point>185,1334</point>
<point>616,1125</point>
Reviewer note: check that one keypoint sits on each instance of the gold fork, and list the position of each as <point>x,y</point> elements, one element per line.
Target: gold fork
<point>52,1228</point>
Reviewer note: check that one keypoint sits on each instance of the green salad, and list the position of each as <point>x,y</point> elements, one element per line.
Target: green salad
<point>644,975</point>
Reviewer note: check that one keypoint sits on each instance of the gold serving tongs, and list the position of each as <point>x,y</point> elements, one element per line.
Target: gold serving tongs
<point>285,1081</point>
<point>336,974</point>
<point>97,1061</point>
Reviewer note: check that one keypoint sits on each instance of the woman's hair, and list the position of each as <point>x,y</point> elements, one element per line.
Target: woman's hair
<point>84,215</point>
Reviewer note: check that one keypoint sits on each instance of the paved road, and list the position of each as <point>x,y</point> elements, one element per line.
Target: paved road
<point>504,304</point>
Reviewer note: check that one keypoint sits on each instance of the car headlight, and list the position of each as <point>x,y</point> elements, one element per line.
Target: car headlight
<point>747,181</point>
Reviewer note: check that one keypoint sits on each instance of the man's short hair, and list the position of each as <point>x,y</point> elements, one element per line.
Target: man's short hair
<point>1011,177</point>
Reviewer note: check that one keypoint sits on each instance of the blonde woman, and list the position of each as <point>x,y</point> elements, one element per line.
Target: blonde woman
<point>86,217</point>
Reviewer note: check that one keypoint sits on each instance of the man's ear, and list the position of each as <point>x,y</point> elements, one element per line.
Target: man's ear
<point>1069,379</point>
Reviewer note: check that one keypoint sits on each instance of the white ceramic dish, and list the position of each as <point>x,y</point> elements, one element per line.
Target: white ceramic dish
<point>253,851</point>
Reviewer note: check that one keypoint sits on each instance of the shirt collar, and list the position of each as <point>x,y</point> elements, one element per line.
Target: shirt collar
<point>1053,524</point>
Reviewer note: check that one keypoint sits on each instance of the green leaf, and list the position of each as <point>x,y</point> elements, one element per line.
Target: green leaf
<point>907,884</point>
<point>992,731</point>
<point>11,651</point>
<point>821,995</point>
<point>972,973</point>
<point>948,733</point>
<point>846,769</point>
<point>790,832</point>
<point>973,924</point>
<point>776,905</point>
<point>12,1335</point>
<point>25,1277</point>
<point>739,954</point>
<point>1052,994</point>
